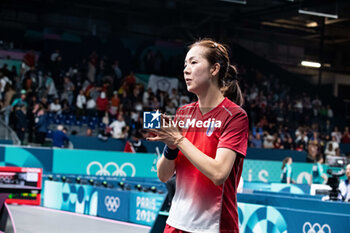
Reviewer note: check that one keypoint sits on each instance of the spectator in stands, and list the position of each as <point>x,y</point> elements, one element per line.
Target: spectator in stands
<point>117,127</point>
<point>286,176</point>
<point>257,130</point>
<point>154,103</point>
<point>162,96</point>
<point>4,80</point>
<point>268,141</point>
<point>6,108</point>
<point>90,106</point>
<point>327,128</point>
<point>50,87</point>
<point>138,107</point>
<point>31,110</point>
<point>102,105</point>
<point>54,55</point>
<point>316,103</point>
<point>318,176</point>
<point>55,107</point>
<point>136,144</point>
<point>337,134</point>
<point>21,121</point>
<point>300,147</point>
<point>312,152</point>
<point>184,99</point>
<point>256,141</point>
<point>170,108</point>
<point>68,89</point>
<point>302,139</point>
<point>130,80</point>
<point>332,147</point>
<point>20,101</point>
<point>278,143</point>
<point>174,97</point>
<point>344,186</point>
<point>346,136</point>
<point>59,137</point>
<point>115,101</point>
<point>146,96</point>
<point>315,138</point>
<point>80,104</point>
<point>66,108</point>
<point>42,124</point>
<point>288,143</point>
<point>125,102</point>
<point>125,132</point>
<point>330,114</point>
<point>88,132</point>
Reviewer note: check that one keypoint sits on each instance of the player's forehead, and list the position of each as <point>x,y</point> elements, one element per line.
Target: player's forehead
<point>196,52</point>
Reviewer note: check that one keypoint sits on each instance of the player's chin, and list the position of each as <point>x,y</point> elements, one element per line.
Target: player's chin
<point>191,89</point>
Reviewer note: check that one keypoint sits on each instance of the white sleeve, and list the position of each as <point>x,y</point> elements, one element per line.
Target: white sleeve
<point>342,188</point>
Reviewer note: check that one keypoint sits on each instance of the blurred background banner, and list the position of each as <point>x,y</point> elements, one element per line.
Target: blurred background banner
<point>113,204</point>
<point>262,218</point>
<point>144,207</point>
<point>76,198</point>
<point>104,163</point>
<point>270,171</point>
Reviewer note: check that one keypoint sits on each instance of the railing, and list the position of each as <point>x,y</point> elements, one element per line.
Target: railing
<point>6,133</point>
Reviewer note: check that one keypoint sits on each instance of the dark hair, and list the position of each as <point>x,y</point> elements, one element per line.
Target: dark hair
<point>228,83</point>
<point>330,146</point>
<point>285,161</point>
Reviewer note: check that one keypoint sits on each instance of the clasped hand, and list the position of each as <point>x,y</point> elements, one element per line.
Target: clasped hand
<point>169,132</point>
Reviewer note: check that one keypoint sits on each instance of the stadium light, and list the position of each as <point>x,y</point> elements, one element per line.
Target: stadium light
<point>320,14</point>
<point>244,2</point>
<point>312,24</point>
<point>311,64</point>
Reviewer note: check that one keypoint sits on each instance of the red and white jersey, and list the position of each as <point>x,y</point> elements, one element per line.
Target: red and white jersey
<point>199,205</point>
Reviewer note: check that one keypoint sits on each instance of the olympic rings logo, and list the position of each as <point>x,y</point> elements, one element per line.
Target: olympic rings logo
<point>112,203</point>
<point>316,228</point>
<point>103,170</point>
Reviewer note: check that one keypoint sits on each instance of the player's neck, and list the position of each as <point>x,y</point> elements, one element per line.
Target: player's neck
<point>210,100</point>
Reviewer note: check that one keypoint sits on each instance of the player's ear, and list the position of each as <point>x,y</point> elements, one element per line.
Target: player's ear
<point>215,69</point>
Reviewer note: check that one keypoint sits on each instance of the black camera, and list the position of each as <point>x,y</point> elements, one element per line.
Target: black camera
<point>333,182</point>
<point>337,164</point>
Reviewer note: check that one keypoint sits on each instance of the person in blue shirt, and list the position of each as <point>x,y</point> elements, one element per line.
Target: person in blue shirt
<point>59,137</point>
<point>318,176</point>
<point>286,176</point>
<point>41,124</point>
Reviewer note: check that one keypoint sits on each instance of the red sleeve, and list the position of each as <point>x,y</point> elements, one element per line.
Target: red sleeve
<point>235,133</point>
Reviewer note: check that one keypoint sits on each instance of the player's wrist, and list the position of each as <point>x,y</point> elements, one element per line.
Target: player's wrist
<point>170,154</point>
<point>178,140</point>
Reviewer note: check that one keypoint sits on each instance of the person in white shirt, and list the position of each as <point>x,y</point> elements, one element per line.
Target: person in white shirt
<point>337,134</point>
<point>80,103</point>
<point>117,127</point>
<point>332,147</point>
<point>90,106</point>
<point>344,186</point>
<point>55,107</point>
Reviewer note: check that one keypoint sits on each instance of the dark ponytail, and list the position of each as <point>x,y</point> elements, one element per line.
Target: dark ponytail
<point>285,161</point>
<point>227,80</point>
<point>231,87</point>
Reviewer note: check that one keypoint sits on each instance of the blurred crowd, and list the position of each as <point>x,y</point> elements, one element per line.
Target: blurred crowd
<point>97,90</point>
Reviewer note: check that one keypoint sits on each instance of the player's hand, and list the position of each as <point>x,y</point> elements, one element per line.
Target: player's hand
<point>169,132</point>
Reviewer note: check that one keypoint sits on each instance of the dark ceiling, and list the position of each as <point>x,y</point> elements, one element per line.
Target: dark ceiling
<point>269,21</point>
